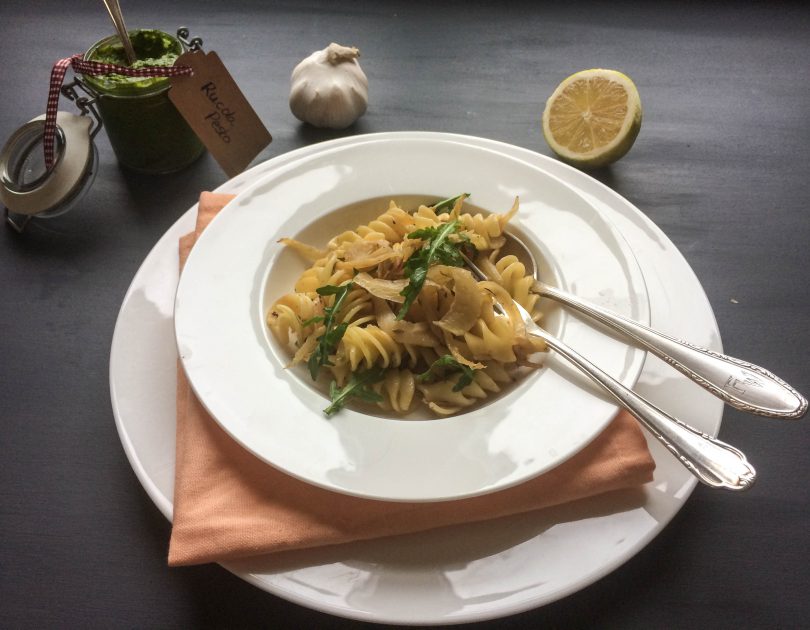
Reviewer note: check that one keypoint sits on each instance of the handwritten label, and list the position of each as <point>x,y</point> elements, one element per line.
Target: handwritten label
<point>215,108</point>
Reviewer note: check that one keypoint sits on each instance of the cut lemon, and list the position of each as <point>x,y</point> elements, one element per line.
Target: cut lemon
<point>592,118</point>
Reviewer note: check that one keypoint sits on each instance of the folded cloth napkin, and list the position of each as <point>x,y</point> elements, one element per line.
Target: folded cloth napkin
<point>228,504</point>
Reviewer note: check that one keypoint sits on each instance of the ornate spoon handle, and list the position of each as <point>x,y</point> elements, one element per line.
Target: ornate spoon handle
<point>742,385</point>
<point>713,462</point>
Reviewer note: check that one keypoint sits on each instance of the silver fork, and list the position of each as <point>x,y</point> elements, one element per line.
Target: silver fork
<point>713,462</point>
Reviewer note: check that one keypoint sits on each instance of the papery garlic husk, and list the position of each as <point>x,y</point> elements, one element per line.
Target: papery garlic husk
<point>329,88</point>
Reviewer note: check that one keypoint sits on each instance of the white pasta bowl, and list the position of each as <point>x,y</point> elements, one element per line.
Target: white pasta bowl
<point>237,369</point>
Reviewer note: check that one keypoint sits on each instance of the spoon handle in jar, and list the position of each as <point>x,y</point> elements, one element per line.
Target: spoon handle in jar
<point>117,17</point>
<point>743,385</point>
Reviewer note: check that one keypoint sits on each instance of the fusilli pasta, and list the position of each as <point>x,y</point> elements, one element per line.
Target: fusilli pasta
<point>389,309</point>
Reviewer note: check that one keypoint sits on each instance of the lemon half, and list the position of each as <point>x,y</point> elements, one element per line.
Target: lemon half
<point>593,117</point>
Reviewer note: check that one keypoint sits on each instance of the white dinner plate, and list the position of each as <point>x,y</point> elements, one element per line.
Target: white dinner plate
<point>457,574</point>
<point>237,269</point>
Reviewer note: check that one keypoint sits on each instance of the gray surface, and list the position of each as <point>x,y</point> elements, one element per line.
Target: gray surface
<point>721,166</point>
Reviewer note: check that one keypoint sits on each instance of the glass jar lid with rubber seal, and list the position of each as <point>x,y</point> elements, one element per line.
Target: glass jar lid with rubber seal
<point>28,188</point>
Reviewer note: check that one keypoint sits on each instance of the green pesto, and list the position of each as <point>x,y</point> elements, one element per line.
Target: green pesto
<point>152,48</point>
<point>145,130</point>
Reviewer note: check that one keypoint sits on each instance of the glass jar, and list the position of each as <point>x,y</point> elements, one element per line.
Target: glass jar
<point>145,130</point>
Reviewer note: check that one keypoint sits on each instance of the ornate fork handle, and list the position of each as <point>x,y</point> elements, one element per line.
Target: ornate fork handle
<point>713,462</point>
<point>741,384</point>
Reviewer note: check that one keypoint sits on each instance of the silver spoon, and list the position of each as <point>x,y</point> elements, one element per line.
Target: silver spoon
<point>713,462</point>
<point>743,385</point>
<point>114,9</point>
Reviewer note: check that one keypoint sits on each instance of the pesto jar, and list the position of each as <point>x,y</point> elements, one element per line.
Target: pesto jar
<point>145,130</point>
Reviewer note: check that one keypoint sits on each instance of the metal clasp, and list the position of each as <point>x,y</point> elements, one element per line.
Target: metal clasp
<point>193,44</point>
<point>86,104</point>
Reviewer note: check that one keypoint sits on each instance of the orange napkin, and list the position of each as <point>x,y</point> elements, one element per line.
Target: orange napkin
<point>228,504</point>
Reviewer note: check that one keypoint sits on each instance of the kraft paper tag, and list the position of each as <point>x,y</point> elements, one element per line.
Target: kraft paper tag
<point>215,108</point>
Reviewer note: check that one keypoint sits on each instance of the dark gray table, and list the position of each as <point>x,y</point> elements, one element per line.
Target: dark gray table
<point>721,166</point>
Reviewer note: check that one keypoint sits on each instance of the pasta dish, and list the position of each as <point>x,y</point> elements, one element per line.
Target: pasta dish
<point>392,315</point>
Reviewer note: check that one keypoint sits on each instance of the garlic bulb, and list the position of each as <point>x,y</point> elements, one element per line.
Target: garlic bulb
<point>329,89</point>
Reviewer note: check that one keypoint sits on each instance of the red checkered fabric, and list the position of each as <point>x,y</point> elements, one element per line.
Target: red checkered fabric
<point>81,66</point>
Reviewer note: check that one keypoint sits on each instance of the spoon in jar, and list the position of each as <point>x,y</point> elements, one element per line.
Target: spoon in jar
<point>743,385</point>
<point>114,9</point>
<point>713,462</point>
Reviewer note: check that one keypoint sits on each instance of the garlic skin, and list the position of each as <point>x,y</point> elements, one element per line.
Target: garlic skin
<point>329,88</point>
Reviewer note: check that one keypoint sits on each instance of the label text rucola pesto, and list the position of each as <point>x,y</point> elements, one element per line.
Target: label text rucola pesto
<point>222,117</point>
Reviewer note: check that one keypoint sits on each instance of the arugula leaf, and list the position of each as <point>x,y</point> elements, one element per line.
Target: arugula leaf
<point>359,386</point>
<point>445,252</point>
<point>450,202</point>
<point>447,362</point>
<point>332,334</point>
<point>436,248</point>
<point>313,320</point>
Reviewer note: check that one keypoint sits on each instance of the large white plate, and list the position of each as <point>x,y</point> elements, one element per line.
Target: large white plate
<point>238,268</point>
<point>458,574</point>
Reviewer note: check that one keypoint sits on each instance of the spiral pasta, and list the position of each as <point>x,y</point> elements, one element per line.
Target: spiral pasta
<point>397,390</point>
<point>324,272</point>
<point>389,309</point>
<point>289,314</point>
<point>365,347</point>
<point>510,273</point>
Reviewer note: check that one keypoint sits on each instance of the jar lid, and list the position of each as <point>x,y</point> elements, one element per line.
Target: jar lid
<point>27,187</point>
